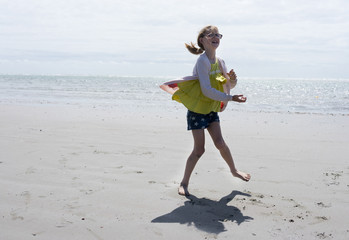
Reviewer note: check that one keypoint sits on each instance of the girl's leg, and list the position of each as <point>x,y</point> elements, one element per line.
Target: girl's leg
<point>199,149</point>
<point>215,131</point>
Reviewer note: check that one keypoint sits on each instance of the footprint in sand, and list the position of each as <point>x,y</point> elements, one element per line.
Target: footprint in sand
<point>26,195</point>
<point>319,219</point>
<point>322,205</point>
<point>30,170</point>
<point>333,177</point>
<point>323,235</point>
<point>100,152</point>
<point>15,216</point>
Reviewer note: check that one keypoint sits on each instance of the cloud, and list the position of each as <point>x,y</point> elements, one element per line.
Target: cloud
<point>266,34</point>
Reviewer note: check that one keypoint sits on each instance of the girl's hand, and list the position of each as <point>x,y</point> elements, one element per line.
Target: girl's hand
<point>232,75</point>
<point>233,79</point>
<point>239,98</point>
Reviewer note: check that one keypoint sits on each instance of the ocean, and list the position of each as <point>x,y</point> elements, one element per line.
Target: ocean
<point>305,96</point>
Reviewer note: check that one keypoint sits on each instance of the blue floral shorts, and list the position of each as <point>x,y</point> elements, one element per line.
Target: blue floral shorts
<point>201,121</point>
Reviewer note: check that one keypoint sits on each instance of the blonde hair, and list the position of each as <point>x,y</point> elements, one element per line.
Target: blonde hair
<point>192,48</point>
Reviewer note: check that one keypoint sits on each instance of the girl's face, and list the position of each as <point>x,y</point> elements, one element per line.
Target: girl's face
<point>211,40</point>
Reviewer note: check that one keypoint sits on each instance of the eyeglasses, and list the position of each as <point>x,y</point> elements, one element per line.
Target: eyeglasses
<point>212,35</point>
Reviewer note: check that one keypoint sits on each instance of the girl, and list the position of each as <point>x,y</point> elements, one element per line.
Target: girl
<point>204,94</point>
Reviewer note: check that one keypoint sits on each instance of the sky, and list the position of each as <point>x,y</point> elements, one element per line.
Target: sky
<point>261,38</point>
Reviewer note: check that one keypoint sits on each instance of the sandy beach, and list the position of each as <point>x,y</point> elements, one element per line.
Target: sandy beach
<point>84,172</point>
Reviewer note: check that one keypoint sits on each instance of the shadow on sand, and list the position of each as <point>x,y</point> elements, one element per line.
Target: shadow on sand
<point>205,214</point>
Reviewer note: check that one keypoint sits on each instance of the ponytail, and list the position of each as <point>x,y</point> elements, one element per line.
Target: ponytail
<point>193,49</point>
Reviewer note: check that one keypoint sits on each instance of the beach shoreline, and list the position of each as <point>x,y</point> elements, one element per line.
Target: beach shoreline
<point>90,172</point>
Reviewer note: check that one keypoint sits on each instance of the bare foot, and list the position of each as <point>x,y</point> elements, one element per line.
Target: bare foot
<point>244,176</point>
<point>183,190</point>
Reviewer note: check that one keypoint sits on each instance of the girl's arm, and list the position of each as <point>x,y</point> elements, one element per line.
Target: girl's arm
<point>230,84</point>
<point>203,71</point>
